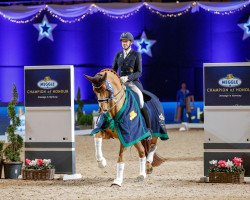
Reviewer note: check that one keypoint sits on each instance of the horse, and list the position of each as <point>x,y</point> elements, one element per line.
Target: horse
<point>112,96</point>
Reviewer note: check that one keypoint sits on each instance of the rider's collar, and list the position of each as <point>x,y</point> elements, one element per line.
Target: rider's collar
<point>127,50</point>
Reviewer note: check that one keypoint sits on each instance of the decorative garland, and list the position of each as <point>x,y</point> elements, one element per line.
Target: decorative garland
<point>93,8</point>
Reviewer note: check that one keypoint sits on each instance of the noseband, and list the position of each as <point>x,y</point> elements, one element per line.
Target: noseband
<point>112,97</point>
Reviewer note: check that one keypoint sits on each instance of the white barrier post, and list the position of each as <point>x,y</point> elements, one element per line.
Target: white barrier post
<point>49,124</point>
<point>227,113</point>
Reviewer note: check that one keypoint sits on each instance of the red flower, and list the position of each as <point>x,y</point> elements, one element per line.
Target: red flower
<point>222,163</point>
<point>237,161</point>
<point>27,161</point>
<point>39,161</point>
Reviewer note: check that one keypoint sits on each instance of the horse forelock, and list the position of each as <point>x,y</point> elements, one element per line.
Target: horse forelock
<point>98,82</point>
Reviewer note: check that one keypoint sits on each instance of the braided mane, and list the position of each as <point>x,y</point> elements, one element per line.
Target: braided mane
<point>112,71</point>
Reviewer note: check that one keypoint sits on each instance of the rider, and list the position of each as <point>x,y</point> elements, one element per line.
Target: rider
<point>128,64</point>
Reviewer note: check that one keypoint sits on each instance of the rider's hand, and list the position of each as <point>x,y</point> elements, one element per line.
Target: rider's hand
<point>124,79</point>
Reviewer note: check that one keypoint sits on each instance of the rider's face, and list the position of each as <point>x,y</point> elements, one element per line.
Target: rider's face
<point>126,44</point>
<point>183,86</point>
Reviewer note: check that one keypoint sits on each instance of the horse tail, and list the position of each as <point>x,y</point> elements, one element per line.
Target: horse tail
<point>158,160</point>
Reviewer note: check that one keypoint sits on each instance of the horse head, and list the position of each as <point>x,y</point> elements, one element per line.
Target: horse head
<point>108,89</point>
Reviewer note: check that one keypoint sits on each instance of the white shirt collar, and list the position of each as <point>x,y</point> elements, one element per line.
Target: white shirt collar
<point>126,51</point>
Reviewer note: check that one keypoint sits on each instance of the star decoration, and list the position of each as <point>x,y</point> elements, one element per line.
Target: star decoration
<point>246,28</point>
<point>45,29</point>
<point>144,44</point>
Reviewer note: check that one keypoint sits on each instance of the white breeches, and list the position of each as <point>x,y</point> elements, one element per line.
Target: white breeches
<point>135,89</point>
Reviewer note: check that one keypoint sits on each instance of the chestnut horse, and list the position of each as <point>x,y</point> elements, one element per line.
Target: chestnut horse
<point>112,103</point>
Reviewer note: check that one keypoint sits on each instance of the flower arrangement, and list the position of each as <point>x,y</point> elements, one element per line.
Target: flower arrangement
<point>234,166</point>
<point>38,164</point>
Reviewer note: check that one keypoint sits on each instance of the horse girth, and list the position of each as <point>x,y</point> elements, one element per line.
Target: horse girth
<point>108,134</point>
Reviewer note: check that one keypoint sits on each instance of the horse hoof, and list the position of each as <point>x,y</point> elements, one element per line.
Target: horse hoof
<point>102,163</point>
<point>116,183</point>
<point>141,178</point>
<point>149,168</point>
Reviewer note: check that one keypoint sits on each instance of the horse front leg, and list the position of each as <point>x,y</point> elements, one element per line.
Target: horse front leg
<point>119,167</point>
<point>142,161</point>
<point>98,151</point>
<point>150,156</point>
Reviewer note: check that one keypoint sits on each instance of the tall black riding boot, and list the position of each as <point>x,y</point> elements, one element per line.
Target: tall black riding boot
<point>145,114</point>
<point>189,118</point>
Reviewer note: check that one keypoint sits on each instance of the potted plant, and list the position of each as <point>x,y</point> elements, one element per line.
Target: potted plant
<point>85,121</point>
<point>1,157</point>
<point>38,169</point>
<point>12,162</point>
<point>226,171</point>
<point>80,104</point>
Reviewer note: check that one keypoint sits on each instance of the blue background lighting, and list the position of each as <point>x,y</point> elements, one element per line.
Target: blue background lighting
<point>182,45</point>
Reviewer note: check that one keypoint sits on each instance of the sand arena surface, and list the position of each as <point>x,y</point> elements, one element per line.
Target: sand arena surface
<point>177,178</point>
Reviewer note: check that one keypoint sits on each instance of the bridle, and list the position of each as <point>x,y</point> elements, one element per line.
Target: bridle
<point>109,99</point>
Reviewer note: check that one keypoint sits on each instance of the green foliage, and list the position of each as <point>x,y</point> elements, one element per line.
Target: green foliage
<point>80,104</point>
<point>13,149</point>
<point>14,95</point>
<point>234,169</point>
<point>85,119</point>
<point>1,150</point>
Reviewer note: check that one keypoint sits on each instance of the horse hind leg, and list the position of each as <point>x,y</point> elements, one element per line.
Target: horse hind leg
<point>149,167</point>
<point>98,151</point>
<point>150,156</point>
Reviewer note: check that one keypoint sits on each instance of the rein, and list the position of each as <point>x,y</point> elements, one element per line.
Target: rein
<point>108,99</point>
<point>116,102</point>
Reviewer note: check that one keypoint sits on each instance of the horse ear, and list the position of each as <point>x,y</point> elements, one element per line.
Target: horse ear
<point>104,77</point>
<point>90,78</point>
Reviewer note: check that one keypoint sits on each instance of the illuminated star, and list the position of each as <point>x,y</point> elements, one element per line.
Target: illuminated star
<point>45,29</point>
<point>144,44</point>
<point>246,28</point>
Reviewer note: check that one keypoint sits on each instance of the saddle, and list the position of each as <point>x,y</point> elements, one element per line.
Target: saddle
<point>156,113</point>
<point>147,96</point>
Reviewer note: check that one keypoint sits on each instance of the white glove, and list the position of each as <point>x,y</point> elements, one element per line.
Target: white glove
<point>124,79</point>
